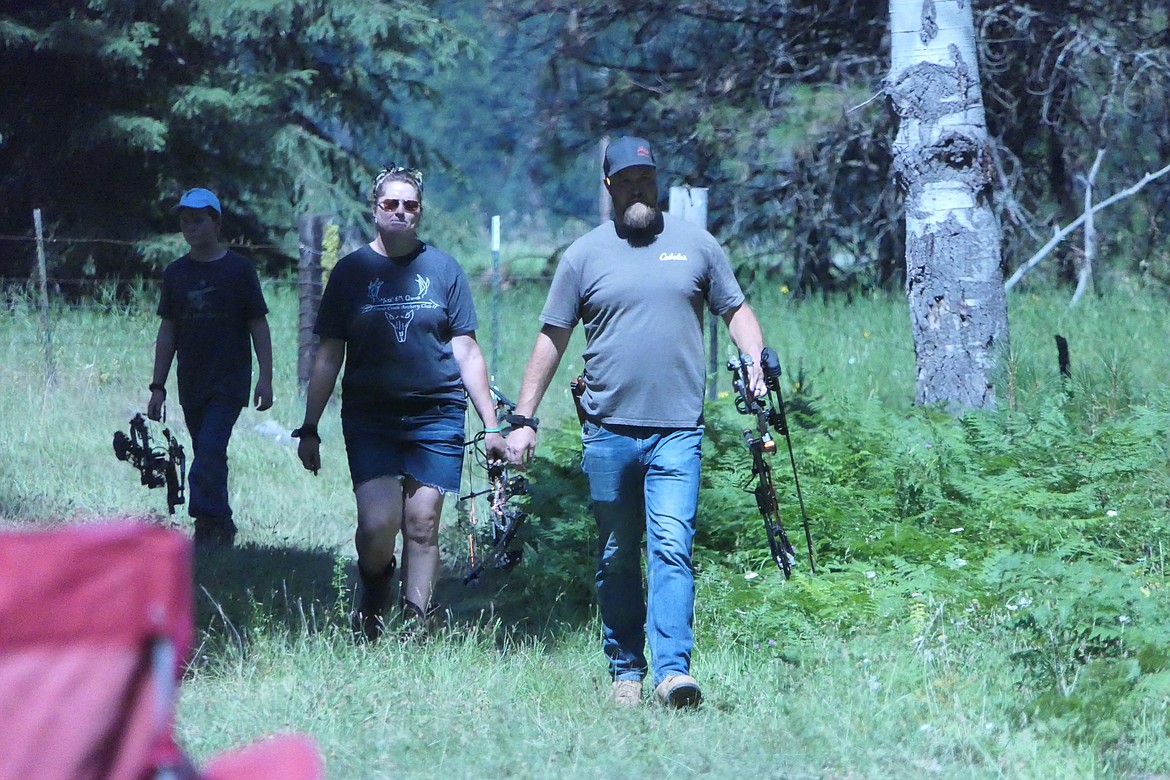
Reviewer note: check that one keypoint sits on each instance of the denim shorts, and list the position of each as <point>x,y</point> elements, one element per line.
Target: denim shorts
<point>426,445</point>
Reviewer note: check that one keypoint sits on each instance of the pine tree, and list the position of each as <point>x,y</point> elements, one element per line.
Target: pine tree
<point>111,109</point>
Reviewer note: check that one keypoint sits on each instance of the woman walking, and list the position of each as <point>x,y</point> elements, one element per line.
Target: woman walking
<point>398,314</point>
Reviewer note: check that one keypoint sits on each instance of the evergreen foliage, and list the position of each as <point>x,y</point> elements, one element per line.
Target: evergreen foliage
<point>778,108</point>
<point>1037,524</point>
<point>111,110</point>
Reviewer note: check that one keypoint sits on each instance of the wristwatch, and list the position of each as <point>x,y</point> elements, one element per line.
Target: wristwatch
<point>520,421</point>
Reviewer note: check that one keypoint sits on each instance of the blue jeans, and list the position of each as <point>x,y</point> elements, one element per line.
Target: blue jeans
<point>210,427</point>
<point>644,480</point>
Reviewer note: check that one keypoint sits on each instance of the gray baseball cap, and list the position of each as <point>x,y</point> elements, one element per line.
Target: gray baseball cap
<point>626,152</point>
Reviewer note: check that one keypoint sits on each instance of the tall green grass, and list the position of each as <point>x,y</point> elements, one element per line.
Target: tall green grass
<point>890,664</point>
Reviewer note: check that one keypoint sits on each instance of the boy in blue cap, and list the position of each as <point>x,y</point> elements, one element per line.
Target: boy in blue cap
<point>213,316</point>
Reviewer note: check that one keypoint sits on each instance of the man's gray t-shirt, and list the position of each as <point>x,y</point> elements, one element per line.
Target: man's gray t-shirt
<point>642,309</point>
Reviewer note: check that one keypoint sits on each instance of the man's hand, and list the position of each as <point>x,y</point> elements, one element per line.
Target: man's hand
<point>154,408</point>
<point>309,451</point>
<point>519,446</point>
<point>262,398</point>
<point>756,381</point>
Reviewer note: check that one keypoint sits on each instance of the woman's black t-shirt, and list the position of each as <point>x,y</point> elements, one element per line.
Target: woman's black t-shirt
<point>397,316</point>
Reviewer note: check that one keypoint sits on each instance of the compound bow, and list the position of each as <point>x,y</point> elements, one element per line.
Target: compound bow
<point>506,520</point>
<point>158,465</point>
<point>769,412</point>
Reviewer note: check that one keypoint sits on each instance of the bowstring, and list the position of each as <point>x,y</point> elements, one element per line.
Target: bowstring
<point>473,461</point>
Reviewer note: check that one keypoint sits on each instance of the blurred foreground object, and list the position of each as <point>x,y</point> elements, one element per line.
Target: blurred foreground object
<point>96,627</point>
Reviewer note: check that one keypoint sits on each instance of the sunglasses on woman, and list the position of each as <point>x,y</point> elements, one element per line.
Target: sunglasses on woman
<point>392,204</point>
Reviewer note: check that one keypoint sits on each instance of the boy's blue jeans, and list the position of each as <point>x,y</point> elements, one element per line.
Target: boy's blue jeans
<point>210,427</point>
<point>645,480</point>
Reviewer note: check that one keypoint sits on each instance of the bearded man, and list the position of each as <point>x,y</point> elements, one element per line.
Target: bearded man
<point>639,285</point>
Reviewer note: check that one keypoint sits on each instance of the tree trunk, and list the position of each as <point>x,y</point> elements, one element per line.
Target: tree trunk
<point>954,283</point>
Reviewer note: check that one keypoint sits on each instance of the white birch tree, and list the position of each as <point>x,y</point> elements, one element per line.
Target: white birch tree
<point>954,283</point>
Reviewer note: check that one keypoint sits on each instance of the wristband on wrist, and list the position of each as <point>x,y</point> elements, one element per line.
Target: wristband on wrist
<point>520,421</point>
<point>306,431</point>
<point>159,387</point>
<point>496,429</point>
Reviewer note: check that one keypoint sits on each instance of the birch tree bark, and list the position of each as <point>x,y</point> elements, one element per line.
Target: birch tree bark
<point>954,284</point>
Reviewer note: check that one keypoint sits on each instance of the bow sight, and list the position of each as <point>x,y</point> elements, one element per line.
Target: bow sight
<point>769,413</point>
<point>505,520</point>
<point>158,465</point>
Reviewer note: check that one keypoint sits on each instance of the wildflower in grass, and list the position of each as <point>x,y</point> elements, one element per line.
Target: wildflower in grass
<point>1022,602</point>
<point>783,289</point>
<point>1111,513</point>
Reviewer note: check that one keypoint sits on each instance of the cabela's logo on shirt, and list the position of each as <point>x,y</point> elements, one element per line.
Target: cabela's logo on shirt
<point>667,256</point>
<point>399,309</point>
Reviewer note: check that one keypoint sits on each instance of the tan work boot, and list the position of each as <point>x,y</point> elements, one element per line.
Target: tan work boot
<point>627,693</point>
<point>679,691</point>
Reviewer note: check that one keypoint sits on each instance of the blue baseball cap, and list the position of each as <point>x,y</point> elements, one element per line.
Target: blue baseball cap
<point>200,198</point>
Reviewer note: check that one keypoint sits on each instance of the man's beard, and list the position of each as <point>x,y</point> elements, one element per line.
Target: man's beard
<point>639,216</point>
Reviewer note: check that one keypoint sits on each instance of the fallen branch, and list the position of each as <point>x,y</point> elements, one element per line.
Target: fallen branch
<point>1059,235</point>
<point>1085,277</point>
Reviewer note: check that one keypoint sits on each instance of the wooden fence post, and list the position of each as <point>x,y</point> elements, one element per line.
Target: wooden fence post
<point>604,210</point>
<point>46,317</point>
<point>309,288</point>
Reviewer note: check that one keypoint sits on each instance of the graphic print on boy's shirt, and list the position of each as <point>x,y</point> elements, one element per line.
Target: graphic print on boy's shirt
<point>198,298</point>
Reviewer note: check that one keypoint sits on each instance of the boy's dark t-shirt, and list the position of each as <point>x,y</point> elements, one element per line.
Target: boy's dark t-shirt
<point>211,304</point>
<point>397,317</point>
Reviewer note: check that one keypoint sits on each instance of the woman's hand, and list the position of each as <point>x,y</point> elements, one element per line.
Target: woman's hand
<point>493,443</point>
<point>309,451</point>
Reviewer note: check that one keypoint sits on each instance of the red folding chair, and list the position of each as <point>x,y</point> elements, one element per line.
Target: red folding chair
<point>95,626</point>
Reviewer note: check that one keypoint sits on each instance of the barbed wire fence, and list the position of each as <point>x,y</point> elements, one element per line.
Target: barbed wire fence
<point>48,295</point>
<point>44,291</point>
